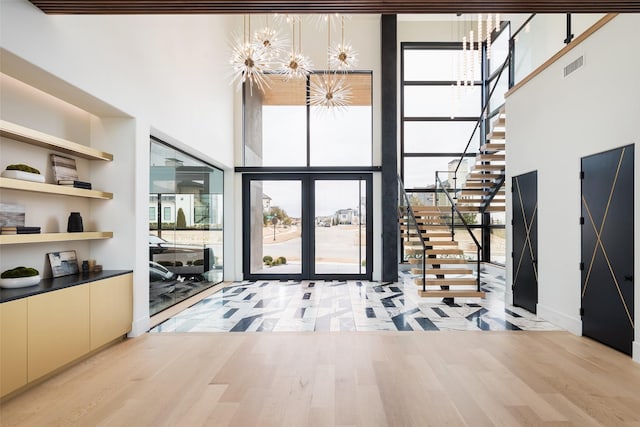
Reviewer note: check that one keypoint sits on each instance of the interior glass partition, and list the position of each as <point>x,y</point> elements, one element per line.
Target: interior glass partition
<point>185,226</point>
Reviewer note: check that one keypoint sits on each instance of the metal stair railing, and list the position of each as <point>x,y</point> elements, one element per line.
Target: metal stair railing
<point>481,117</point>
<point>454,209</point>
<point>411,221</point>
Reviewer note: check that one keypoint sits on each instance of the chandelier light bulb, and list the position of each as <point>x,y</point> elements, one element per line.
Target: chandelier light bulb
<point>296,66</point>
<point>330,92</point>
<point>249,64</point>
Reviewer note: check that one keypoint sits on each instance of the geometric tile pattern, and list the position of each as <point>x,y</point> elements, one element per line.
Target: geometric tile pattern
<point>266,306</point>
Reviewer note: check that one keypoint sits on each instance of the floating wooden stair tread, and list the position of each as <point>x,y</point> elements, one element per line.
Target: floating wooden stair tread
<point>493,167</point>
<point>438,261</point>
<point>443,271</point>
<point>453,281</point>
<point>493,146</point>
<point>490,157</point>
<point>478,185</point>
<point>444,251</point>
<point>451,294</point>
<point>483,176</point>
<point>496,134</point>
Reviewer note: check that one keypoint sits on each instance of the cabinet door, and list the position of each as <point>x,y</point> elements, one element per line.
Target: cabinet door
<point>111,309</point>
<point>13,345</point>
<point>58,329</point>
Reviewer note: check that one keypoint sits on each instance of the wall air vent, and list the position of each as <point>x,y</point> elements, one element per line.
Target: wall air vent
<point>574,66</point>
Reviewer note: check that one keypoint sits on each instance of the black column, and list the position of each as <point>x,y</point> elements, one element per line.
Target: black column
<point>389,128</point>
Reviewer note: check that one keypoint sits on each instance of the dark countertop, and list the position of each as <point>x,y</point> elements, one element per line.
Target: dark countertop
<point>48,285</point>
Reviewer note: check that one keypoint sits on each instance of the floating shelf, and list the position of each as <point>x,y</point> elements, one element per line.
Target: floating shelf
<point>12,239</point>
<point>41,139</point>
<point>37,187</point>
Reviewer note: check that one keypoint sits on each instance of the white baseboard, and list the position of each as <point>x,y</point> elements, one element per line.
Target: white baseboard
<point>571,324</point>
<point>139,327</point>
<point>636,351</point>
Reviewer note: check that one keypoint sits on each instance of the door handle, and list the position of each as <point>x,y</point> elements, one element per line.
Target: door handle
<point>628,278</point>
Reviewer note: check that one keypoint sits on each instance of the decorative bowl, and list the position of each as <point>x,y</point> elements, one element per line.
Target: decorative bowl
<point>25,176</point>
<point>20,282</point>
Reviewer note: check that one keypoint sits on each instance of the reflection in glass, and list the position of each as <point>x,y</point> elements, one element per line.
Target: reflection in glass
<point>340,226</point>
<point>276,226</point>
<point>185,226</point>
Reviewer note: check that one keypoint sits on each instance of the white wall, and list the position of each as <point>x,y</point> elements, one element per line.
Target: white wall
<point>551,123</point>
<point>133,76</point>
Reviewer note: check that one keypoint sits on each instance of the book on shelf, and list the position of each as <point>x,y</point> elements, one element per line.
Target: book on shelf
<point>64,168</point>
<point>75,183</point>
<point>20,230</point>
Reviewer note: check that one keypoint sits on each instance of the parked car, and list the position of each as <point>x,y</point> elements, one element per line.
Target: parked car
<point>161,280</point>
<point>188,261</point>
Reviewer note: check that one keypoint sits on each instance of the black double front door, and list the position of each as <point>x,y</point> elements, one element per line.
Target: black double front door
<point>525,240</point>
<point>307,226</point>
<point>607,247</point>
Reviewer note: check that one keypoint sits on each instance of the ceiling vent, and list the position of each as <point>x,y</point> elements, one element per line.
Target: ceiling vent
<point>574,66</point>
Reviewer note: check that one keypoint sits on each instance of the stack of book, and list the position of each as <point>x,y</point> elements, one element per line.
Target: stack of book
<point>20,230</point>
<point>75,183</point>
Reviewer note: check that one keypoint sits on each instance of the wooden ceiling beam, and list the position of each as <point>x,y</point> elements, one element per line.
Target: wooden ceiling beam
<point>114,7</point>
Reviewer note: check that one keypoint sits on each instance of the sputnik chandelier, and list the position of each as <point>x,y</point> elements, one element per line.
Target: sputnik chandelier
<point>331,91</point>
<point>255,57</point>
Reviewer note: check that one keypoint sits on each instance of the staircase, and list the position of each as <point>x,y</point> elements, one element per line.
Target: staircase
<point>428,245</point>
<point>483,188</point>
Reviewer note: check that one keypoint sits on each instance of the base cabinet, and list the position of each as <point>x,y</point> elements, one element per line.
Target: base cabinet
<point>58,329</point>
<point>13,345</point>
<point>111,309</point>
<point>44,332</point>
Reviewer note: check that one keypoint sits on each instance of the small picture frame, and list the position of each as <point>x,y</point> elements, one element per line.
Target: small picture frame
<point>63,263</point>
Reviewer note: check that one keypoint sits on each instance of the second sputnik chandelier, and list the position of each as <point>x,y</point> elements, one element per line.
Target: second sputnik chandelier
<point>257,56</point>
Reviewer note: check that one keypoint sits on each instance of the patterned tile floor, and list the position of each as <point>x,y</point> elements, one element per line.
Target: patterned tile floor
<point>266,306</point>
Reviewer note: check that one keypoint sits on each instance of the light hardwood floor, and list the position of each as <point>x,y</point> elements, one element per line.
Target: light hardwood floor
<point>340,378</point>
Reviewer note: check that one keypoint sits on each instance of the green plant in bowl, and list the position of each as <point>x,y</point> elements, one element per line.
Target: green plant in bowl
<point>23,168</point>
<point>17,272</point>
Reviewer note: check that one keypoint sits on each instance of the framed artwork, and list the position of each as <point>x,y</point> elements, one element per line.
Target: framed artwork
<point>63,263</point>
<point>11,215</point>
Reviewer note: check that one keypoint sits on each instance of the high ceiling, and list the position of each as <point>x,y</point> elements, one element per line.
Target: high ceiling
<point>331,6</point>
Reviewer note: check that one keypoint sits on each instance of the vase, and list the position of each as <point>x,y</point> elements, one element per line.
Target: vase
<point>74,225</point>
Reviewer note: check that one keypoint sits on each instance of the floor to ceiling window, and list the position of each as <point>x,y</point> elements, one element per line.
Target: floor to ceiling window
<point>307,182</point>
<point>438,116</point>
<point>185,226</point>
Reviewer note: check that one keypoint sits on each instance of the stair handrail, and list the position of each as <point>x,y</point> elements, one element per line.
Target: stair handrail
<point>455,209</point>
<point>484,109</point>
<point>414,221</point>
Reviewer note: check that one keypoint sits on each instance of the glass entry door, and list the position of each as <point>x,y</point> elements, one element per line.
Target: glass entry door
<point>340,227</point>
<point>307,226</point>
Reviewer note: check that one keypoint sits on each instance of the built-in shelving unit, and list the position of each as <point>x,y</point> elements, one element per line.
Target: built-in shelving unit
<point>12,239</point>
<point>41,139</point>
<point>18,184</point>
